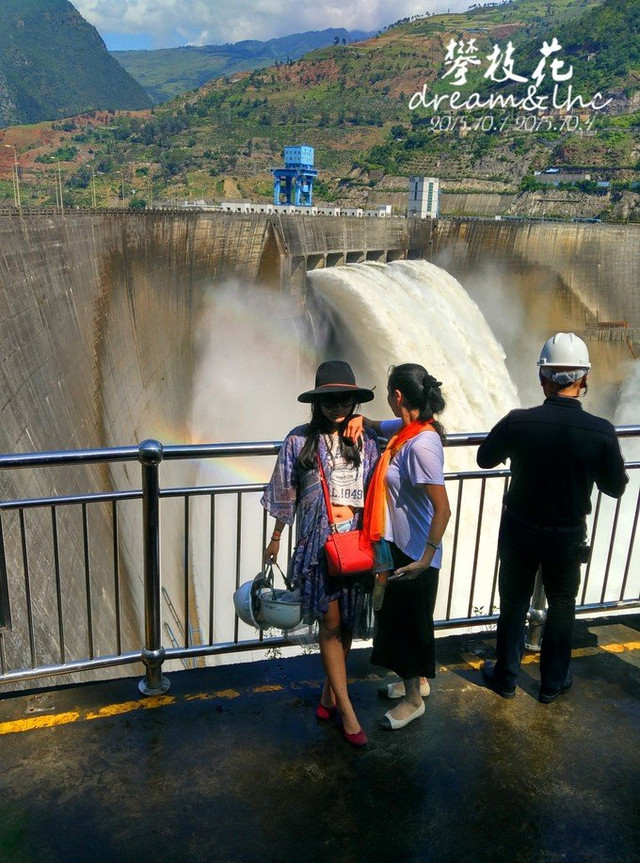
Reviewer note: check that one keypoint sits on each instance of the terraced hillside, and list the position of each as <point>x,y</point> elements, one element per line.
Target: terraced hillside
<point>352,103</point>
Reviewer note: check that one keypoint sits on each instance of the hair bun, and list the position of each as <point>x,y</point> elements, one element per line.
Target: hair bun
<point>429,382</point>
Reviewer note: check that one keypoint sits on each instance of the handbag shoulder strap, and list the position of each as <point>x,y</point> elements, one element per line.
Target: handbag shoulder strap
<point>325,492</point>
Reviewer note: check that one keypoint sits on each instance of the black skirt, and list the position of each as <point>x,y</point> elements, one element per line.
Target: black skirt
<point>404,639</point>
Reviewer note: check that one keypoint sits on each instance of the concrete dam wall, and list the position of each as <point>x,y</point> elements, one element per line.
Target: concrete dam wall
<point>105,304</point>
<point>534,278</point>
<point>97,310</point>
<point>97,333</point>
<point>98,320</point>
<point>598,263</point>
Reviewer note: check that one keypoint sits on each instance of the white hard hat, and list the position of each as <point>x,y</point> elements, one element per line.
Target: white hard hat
<point>281,609</point>
<point>259,604</point>
<point>565,350</point>
<point>245,600</point>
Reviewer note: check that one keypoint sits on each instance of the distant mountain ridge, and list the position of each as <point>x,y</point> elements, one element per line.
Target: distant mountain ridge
<point>167,72</point>
<point>351,102</point>
<point>54,64</point>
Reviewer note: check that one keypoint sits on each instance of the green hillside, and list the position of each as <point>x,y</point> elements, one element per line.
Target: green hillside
<point>54,64</point>
<point>352,104</point>
<point>168,72</point>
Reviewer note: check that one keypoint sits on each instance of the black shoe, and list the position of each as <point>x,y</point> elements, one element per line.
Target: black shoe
<point>546,696</point>
<point>489,676</point>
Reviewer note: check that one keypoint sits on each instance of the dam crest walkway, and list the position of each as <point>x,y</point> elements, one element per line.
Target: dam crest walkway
<point>231,765</point>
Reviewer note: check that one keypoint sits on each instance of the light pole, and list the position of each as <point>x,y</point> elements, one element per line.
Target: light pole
<point>93,189</point>
<point>14,176</point>
<point>59,186</point>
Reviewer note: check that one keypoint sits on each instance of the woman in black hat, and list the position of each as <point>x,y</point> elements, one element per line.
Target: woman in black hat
<point>341,606</point>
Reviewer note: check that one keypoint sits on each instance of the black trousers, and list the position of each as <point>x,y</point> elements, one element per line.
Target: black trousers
<point>404,637</point>
<point>522,549</point>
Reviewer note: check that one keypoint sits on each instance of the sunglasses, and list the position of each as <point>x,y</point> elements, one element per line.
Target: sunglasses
<point>337,400</point>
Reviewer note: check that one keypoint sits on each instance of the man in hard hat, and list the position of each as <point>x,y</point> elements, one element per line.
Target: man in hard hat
<point>557,452</point>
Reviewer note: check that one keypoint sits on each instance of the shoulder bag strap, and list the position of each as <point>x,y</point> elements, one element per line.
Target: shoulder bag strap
<point>325,491</point>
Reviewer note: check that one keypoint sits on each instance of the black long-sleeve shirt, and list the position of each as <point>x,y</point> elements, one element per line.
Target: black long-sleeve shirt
<point>557,452</point>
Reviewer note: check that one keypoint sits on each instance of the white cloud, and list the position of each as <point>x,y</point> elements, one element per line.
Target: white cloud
<point>167,23</point>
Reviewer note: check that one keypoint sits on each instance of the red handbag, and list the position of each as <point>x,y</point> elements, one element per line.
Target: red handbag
<point>345,552</point>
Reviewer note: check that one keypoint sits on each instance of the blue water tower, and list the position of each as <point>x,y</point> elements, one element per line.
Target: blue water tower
<point>295,180</point>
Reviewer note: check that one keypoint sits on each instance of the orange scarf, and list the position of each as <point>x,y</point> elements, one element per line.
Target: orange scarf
<point>373,519</point>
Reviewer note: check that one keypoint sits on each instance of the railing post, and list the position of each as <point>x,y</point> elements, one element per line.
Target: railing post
<point>537,616</point>
<point>153,683</point>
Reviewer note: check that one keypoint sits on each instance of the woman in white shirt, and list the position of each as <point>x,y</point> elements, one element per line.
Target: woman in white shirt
<point>406,513</point>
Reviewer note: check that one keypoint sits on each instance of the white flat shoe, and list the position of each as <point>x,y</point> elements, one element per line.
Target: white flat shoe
<point>390,724</point>
<point>396,690</point>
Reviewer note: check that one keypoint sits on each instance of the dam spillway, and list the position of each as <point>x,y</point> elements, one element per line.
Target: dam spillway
<point>100,314</point>
<point>99,317</point>
<point>99,310</point>
<point>95,304</point>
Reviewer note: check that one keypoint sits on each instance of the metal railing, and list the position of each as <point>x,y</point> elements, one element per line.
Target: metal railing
<point>92,580</point>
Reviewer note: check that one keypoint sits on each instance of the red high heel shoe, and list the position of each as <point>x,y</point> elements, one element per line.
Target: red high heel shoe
<point>324,714</point>
<point>359,739</point>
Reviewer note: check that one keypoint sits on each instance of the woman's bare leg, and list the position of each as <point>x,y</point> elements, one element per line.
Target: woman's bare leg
<point>328,698</point>
<point>333,653</point>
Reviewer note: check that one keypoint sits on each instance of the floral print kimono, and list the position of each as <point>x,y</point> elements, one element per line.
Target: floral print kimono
<point>296,493</point>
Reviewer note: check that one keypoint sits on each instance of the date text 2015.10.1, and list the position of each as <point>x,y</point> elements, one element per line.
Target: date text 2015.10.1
<point>520,123</point>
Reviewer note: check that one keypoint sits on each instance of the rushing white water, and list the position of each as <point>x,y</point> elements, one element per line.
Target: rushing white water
<point>612,557</point>
<point>256,358</point>
<point>414,311</point>
<point>628,410</point>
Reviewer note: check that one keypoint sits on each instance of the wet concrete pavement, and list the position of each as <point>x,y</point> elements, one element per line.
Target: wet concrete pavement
<point>231,765</point>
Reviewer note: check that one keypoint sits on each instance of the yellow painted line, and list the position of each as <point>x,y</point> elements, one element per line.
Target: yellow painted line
<point>207,696</point>
<point>38,722</point>
<point>470,660</point>
<point>621,648</point>
<point>127,706</point>
<point>584,651</point>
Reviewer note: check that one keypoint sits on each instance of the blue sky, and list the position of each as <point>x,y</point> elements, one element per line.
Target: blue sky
<point>147,24</point>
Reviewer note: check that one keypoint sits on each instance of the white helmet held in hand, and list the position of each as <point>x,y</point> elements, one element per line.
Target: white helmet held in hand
<point>245,600</point>
<point>280,609</point>
<point>565,350</point>
<point>259,604</point>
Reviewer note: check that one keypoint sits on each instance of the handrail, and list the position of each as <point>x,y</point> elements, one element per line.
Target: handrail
<point>55,591</point>
<point>200,451</point>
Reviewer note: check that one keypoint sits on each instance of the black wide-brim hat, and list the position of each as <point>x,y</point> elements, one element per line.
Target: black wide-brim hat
<point>336,376</point>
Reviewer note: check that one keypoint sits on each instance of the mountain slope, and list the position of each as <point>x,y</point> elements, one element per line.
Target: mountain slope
<point>168,72</point>
<point>54,64</point>
<point>351,103</point>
